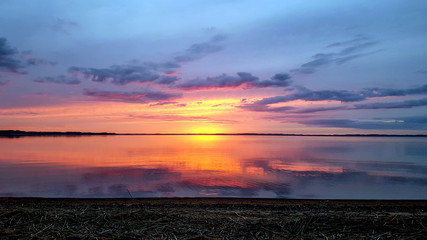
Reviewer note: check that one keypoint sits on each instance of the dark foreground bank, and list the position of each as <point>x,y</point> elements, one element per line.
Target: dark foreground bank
<point>32,218</point>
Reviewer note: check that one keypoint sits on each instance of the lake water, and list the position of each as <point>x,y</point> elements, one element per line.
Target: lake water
<point>215,166</point>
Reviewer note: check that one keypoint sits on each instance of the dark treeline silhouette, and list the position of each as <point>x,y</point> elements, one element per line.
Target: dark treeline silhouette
<point>17,133</point>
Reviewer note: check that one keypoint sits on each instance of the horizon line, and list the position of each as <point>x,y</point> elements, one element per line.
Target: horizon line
<point>18,133</point>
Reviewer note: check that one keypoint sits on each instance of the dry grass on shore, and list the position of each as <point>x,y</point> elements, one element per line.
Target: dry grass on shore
<point>32,218</point>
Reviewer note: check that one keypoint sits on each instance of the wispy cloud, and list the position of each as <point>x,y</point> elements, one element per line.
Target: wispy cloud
<point>419,123</point>
<point>302,93</point>
<point>200,50</point>
<point>171,117</point>
<point>389,105</point>
<point>61,79</point>
<point>352,49</point>
<point>146,96</point>
<point>160,72</point>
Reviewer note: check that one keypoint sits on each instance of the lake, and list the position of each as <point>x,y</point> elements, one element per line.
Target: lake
<point>136,166</point>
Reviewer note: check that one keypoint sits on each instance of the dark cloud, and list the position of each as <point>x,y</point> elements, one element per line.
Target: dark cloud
<point>242,79</point>
<point>160,73</point>
<point>222,81</point>
<point>133,97</point>
<point>305,94</point>
<point>278,80</point>
<point>265,108</point>
<point>352,49</point>
<point>357,47</point>
<point>388,105</point>
<point>199,50</point>
<point>162,103</point>
<point>118,74</point>
<point>400,123</point>
<point>9,61</point>
<point>61,79</point>
<point>320,109</point>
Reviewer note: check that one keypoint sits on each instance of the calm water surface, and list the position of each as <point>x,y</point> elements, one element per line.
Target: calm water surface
<point>214,166</point>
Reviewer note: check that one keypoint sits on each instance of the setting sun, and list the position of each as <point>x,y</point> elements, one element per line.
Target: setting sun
<point>207,129</point>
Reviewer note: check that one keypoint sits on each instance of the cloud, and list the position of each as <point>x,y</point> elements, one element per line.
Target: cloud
<point>118,74</point>
<point>168,103</point>
<point>389,105</point>
<point>265,108</point>
<point>160,72</point>
<point>278,80</point>
<point>242,78</point>
<point>199,50</point>
<point>133,97</point>
<point>8,58</point>
<point>306,94</point>
<point>321,109</point>
<point>3,83</point>
<point>344,96</point>
<point>166,117</point>
<point>162,103</point>
<point>415,123</point>
<point>222,81</point>
<point>61,79</point>
<point>350,42</point>
<point>352,49</point>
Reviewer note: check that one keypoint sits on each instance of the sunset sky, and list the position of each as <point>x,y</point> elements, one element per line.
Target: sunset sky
<point>196,66</point>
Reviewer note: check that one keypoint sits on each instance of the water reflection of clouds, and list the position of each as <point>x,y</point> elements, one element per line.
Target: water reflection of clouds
<point>285,168</point>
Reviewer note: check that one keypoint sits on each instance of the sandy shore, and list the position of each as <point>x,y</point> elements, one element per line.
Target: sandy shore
<point>211,218</point>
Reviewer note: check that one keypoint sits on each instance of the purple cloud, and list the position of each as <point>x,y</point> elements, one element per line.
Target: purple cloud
<point>353,49</point>
<point>200,50</point>
<point>9,61</point>
<point>399,123</point>
<point>133,97</point>
<point>242,79</point>
<point>222,81</point>
<point>61,79</point>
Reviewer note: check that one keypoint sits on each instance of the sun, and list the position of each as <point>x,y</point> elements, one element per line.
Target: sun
<point>206,129</point>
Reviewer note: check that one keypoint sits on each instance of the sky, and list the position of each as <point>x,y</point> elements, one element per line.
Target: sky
<point>191,66</point>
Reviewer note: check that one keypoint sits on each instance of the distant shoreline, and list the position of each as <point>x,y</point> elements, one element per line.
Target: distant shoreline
<point>18,133</point>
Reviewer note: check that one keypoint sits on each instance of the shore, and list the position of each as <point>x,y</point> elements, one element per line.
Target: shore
<point>211,218</point>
